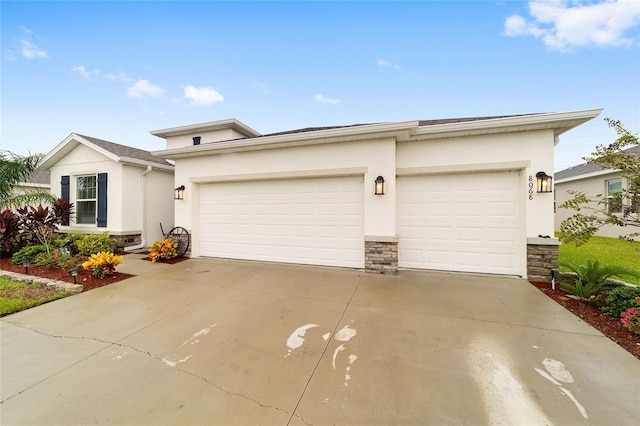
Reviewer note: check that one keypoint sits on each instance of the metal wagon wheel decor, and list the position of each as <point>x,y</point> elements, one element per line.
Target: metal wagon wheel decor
<point>180,236</point>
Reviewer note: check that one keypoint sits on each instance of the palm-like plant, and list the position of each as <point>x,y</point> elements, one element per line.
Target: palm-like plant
<point>592,278</point>
<point>15,169</point>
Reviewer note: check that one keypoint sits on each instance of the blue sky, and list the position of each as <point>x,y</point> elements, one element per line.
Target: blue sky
<point>117,70</point>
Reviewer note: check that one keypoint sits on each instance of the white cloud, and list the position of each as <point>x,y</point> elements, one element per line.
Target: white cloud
<point>564,24</point>
<point>84,73</point>
<point>324,100</point>
<point>142,89</point>
<point>383,63</point>
<point>121,76</point>
<point>31,51</point>
<point>202,95</point>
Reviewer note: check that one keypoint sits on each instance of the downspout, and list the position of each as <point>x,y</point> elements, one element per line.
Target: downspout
<point>144,213</point>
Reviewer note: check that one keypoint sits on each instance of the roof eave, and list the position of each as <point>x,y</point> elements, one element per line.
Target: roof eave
<point>231,123</point>
<point>380,130</point>
<point>560,122</point>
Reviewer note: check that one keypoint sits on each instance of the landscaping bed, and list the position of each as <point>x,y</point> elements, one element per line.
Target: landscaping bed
<point>84,278</point>
<point>592,315</point>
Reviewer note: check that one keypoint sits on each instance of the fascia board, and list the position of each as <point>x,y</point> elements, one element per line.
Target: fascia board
<point>136,162</point>
<point>587,176</point>
<point>561,122</point>
<point>59,151</point>
<point>231,123</point>
<point>293,139</point>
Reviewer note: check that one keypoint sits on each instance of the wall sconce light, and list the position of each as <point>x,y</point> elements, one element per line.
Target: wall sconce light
<point>179,193</point>
<point>74,274</point>
<point>379,186</point>
<point>543,182</point>
<point>25,263</point>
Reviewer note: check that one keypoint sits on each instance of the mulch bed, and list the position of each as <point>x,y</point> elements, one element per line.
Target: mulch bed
<point>84,277</point>
<point>592,315</point>
<point>169,261</point>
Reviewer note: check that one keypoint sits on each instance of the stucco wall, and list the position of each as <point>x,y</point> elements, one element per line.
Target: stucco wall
<point>591,186</point>
<point>205,137</point>
<point>160,204</point>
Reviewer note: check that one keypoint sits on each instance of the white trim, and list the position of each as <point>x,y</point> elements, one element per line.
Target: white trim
<point>136,162</point>
<point>382,238</point>
<point>210,126</point>
<point>296,174</point>
<point>543,241</point>
<point>462,168</point>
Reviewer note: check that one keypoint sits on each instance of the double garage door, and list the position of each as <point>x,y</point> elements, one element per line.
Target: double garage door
<point>458,222</point>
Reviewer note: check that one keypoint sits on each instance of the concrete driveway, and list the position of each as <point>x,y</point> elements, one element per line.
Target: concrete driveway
<point>227,342</point>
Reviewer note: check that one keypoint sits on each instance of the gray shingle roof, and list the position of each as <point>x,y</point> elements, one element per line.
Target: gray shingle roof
<point>40,177</point>
<point>586,168</point>
<point>126,151</point>
<point>420,123</point>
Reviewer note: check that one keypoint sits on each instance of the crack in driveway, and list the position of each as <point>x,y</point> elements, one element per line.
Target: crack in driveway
<point>147,353</point>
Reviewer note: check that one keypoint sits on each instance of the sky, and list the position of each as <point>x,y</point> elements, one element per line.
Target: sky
<point>117,70</point>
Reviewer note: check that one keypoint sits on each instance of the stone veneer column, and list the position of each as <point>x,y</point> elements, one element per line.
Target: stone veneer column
<point>542,257</point>
<point>381,255</point>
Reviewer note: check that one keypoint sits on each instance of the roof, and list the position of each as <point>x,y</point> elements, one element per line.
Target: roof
<point>37,178</point>
<point>587,168</point>
<point>114,151</point>
<point>559,123</point>
<point>125,151</point>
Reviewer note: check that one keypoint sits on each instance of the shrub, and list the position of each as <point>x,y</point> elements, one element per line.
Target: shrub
<point>592,278</point>
<point>51,259</point>
<point>102,264</point>
<point>28,253</point>
<point>620,299</point>
<point>88,244</point>
<point>164,249</point>
<point>631,319</point>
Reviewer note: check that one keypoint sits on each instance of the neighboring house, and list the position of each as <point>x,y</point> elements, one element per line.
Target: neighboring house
<point>38,181</point>
<point>459,194</point>
<point>116,188</point>
<point>593,181</point>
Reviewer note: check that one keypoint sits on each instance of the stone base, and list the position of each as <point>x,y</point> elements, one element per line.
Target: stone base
<point>541,260</point>
<point>381,257</point>
<point>122,241</point>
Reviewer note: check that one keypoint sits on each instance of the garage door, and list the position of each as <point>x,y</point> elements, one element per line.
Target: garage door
<point>460,222</point>
<point>315,221</point>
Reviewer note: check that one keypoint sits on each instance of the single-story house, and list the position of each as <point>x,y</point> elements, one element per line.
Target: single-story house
<point>38,180</point>
<point>453,194</point>
<point>116,188</point>
<point>592,180</point>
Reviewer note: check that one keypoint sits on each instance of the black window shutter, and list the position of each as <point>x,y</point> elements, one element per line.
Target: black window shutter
<point>102,200</point>
<point>64,193</point>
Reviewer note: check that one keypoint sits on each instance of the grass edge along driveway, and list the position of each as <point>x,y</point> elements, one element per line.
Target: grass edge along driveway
<point>17,296</point>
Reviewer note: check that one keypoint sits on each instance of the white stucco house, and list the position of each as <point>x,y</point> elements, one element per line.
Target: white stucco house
<point>593,181</point>
<point>459,194</point>
<point>116,188</point>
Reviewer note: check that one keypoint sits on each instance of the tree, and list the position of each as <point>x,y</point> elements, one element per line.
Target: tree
<point>623,209</point>
<point>15,169</point>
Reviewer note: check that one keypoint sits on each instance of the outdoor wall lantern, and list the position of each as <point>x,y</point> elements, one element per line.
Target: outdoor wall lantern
<point>543,182</point>
<point>179,193</point>
<point>74,273</point>
<point>379,186</point>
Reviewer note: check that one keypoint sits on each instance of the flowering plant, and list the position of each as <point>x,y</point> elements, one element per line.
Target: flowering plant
<point>164,249</point>
<point>102,264</point>
<point>631,320</point>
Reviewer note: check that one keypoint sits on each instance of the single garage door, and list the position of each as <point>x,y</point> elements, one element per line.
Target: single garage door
<point>315,221</point>
<point>460,222</point>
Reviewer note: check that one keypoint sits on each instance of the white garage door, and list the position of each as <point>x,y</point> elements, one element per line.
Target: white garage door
<point>309,221</point>
<point>460,222</point>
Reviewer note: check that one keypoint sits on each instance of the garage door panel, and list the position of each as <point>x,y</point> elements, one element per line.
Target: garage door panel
<point>310,221</point>
<point>460,222</point>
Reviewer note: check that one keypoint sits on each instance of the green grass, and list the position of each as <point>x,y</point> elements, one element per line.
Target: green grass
<point>17,295</point>
<point>609,251</point>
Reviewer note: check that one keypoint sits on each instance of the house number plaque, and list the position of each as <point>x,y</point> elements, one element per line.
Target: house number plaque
<point>530,187</point>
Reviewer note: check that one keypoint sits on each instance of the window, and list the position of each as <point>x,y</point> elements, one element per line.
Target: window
<point>86,199</point>
<point>614,195</point>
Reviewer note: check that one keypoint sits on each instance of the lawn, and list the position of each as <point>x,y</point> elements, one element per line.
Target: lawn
<point>609,251</point>
<point>17,295</point>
